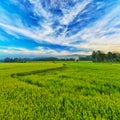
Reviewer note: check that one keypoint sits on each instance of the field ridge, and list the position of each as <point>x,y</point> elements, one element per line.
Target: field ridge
<point>17,75</point>
<point>36,71</point>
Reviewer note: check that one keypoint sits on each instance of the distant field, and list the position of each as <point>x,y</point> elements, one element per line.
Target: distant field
<point>59,91</point>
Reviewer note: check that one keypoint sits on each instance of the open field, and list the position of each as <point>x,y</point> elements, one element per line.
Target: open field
<point>59,91</point>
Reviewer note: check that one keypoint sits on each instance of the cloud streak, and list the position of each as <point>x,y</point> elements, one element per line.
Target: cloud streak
<point>59,26</point>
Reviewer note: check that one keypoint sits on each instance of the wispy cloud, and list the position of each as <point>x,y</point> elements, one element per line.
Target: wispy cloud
<point>103,34</point>
<point>60,23</point>
<point>69,15</point>
<point>38,52</point>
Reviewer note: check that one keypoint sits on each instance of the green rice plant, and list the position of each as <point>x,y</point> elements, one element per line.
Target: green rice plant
<point>59,91</point>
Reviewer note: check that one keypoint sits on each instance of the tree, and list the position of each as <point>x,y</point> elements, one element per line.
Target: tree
<point>7,59</point>
<point>100,56</point>
<point>94,56</point>
<point>109,56</point>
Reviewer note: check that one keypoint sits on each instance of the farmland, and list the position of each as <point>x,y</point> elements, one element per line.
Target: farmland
<point>59,91</point>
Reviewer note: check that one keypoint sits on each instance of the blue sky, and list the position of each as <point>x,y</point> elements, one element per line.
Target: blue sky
<point>32,28</point>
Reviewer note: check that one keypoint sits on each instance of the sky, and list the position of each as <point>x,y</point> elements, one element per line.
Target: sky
<point>34,28</point>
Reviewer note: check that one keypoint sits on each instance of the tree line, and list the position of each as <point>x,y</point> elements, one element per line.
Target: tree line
<point>18,60</point>
<point>23,60</point>
<point>99,56</point>
<point>96,56</point>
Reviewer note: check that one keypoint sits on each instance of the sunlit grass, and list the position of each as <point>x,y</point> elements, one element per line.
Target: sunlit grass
<point>60,90</point>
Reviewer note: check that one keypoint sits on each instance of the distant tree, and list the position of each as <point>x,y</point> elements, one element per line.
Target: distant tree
<point>94,56</point>
<point>109,56</point>
<point>99,56</point>
<point>102,56</point>
<point>18,60</point>
<point>114,56</point>
<point>7,59</point>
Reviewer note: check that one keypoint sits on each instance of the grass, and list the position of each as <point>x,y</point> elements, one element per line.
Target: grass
<point>60,91</point>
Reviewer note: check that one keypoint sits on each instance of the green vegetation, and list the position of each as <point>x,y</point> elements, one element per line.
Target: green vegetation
<point>59,91</point>
<point>99,56</point>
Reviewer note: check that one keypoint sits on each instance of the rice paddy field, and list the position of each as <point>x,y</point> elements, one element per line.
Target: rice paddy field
<point>59,91</point>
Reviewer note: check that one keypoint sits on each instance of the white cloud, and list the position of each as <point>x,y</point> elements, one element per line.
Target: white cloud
<point>99,35</point>
<point>38,35</point>
<point>38,52</point>
<point>69,15</point>
<point>46,33</point>
<point>38,9</point>
<point>94,37</point>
